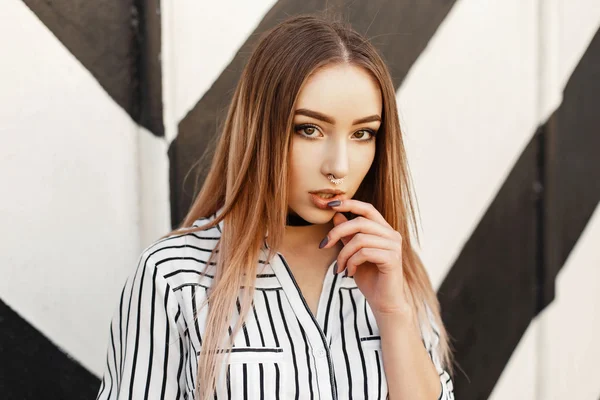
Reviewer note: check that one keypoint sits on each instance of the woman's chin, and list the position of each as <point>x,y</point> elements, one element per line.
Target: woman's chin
<point>317,216</point>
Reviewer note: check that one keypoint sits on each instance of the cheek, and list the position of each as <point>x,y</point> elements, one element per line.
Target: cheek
<point>302,156</point>
<point>362,159</point>
<point>299,168</point>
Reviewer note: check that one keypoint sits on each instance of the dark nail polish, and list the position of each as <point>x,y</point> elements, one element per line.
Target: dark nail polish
<point>334,203</point>
<point>323,242</point>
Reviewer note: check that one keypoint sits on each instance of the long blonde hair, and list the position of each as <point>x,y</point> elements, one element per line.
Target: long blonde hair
<point>248,176</point>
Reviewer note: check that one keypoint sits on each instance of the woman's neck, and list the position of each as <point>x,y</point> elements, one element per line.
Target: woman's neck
<point>303,241</point>
<point>305,237</point>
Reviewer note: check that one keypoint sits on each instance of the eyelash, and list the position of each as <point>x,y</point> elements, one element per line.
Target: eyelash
<point>304,126</point>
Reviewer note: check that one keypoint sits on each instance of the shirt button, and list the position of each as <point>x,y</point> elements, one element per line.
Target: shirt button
<point>320,352</point>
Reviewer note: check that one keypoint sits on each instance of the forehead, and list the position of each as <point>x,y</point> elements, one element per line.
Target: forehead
<point>342,91</point>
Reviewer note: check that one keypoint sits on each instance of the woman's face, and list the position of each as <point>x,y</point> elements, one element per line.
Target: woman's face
<point>337,116</point>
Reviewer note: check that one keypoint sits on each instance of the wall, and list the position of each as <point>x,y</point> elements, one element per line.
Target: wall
<point>108,104</point>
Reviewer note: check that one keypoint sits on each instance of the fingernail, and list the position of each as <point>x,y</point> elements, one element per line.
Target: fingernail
<point>334,203</point>
<point>323,242</point>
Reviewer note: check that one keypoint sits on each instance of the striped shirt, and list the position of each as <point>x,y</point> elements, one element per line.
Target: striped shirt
<point>282,352</point>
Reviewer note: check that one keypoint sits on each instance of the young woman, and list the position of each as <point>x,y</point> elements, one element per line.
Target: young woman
<point>272,288</point>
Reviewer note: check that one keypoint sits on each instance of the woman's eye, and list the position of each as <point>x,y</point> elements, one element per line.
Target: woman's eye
<point>308,130</point>
<point>360,134</point>
<point>311,132</point>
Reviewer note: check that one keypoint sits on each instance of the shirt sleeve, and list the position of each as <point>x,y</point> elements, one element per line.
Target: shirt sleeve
<point>432,345</point>
<point>144,358</point>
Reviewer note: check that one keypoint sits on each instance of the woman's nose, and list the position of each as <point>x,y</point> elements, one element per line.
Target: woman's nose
<point>337,161</point>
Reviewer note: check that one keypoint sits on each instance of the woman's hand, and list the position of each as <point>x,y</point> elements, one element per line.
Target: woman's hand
<point>372,254</point>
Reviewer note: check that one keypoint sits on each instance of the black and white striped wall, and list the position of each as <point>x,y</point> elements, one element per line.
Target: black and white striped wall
<point>107,105</point>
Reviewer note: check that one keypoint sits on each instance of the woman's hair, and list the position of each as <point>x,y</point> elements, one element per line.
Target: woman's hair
<point>248,176</point>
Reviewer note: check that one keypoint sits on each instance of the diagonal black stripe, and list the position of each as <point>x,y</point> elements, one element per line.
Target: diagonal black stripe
<point>26,353</point>
<point>488,297</point>
<point>572,164</point>
<point>506,272</point>
<point>399,29</point>
<point>119,42</point>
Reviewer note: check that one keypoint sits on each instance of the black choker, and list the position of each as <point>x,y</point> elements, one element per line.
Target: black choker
<point>296,220</point>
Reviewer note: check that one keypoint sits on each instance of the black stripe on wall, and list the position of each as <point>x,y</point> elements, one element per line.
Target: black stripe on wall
<point>506,272</point>
<point>32,367</point>
<point>119,42</point>
<point>399,29</point>
<point>488,297</point>
<point>572,162</point>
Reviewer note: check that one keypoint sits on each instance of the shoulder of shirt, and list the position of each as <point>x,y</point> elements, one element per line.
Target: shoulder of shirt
<point>182,257</point>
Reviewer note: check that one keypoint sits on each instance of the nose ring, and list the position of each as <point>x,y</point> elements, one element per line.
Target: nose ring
<point>335,181</point>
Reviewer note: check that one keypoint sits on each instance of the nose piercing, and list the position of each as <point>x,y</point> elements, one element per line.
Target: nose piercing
<point>335,181</point>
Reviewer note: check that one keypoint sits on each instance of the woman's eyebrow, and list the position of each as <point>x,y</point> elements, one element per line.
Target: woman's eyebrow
<point>330,120</point>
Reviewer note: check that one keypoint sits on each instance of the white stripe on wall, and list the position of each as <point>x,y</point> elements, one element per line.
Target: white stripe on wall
<point>154,202</point>
<point>570,326</point>
<point>203,39</point>
<point>468,110</point>
<point>70,210</point>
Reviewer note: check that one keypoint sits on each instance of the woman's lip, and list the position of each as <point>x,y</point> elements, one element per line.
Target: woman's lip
<point>322,203</point>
